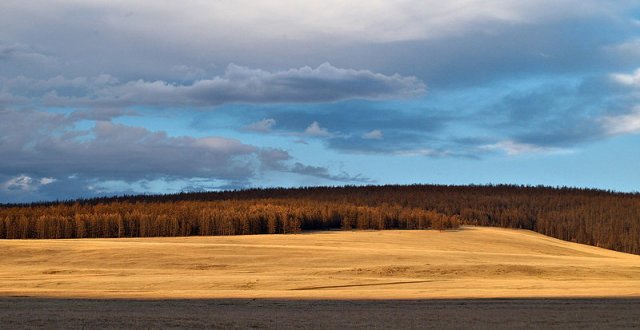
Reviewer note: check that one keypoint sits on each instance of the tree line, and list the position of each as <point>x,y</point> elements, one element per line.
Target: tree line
<point>596,217</point>
<point>230,217</point>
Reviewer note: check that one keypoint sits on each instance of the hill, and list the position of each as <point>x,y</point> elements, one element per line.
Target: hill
<point>472,262</point>
<point>595,217</point>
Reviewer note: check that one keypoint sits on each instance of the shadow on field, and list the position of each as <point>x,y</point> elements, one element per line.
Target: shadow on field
<point>25,312</point>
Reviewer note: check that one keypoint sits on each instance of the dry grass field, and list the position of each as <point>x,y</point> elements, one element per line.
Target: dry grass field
<point>366,279</point>
<point>468,263</point>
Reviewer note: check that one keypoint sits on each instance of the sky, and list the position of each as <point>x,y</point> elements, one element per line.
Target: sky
<point>108,97</point>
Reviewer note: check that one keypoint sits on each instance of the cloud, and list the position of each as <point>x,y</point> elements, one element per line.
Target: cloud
<point>25,183</point>
<point>431,40</point>
<point>422,152</point>
<point>115,151</point>
<point>622,124</point>
<point>44,155</point>
<point>274,159</point>
<point>541,115</point>
<point>552,114</point>
<point>325,83</point>
<point>376,134</point>
<point>398,143</point>
<point>23,53</point>
<point>629,47</point>
<point>323,173</point>
<point>626,121</point>
<point>355,21</point>
<point>428,39</point>
<point>513,148</point>
<point>506,76</point>
<point>262,126</point>
<point>101,114</point>
<point>34,91</point>
<point>188,72</point>
<point>632,79</point>
<point>404,126</point>
<point>316,131</point>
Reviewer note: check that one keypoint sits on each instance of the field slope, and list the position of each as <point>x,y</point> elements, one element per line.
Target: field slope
<point>471,262</point>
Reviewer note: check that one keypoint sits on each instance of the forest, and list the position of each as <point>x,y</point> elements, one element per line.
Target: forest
<point>601,218</point>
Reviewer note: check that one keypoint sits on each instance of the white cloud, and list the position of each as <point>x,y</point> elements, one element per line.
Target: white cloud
<point>22,182</point>
<point>628,123</point>
<point>25,183</point>
<point>623,124</point>
<point>46,181</point>
<point>263,126</point>
<point>375,134</point>
<point>315,130</point>
<point>632,79</point>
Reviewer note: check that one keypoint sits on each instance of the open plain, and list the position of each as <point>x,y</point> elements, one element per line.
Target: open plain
<point>468,263</point>
<point>375,272</point>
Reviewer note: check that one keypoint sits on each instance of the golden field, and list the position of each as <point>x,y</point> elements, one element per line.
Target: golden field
<point>471,262</point>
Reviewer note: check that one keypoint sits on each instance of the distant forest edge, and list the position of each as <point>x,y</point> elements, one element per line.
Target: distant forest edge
<point>595,217</point>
